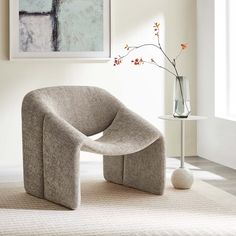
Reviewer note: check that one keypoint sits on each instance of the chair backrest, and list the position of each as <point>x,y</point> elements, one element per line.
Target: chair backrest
<point>89,109</point>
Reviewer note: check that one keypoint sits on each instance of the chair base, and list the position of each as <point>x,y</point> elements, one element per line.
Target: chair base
<point>143,170</point>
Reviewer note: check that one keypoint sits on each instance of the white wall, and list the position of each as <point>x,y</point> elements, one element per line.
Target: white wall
<point>216,138</point>
<point>147,90</point>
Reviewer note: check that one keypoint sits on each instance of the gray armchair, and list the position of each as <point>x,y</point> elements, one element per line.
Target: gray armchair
<point>57,123</point>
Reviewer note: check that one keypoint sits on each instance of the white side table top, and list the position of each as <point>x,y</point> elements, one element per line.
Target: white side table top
<point>190,118</point>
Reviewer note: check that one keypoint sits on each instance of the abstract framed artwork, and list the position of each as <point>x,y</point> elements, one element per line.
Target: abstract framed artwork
<point>46,29</point>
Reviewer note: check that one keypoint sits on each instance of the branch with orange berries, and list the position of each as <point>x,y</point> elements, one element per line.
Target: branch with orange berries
<point>139,61</point>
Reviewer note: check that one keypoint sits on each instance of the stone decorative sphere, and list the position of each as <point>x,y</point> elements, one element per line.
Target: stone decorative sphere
<point>182,178</point>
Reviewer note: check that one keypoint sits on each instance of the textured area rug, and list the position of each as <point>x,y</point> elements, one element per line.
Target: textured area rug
<point>109,209</point>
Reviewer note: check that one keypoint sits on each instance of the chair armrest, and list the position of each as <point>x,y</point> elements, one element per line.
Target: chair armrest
<point>127,124</point>
<point>61,130</point>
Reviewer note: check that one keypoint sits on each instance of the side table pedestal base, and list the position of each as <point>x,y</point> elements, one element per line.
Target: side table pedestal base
<point>182,178</point>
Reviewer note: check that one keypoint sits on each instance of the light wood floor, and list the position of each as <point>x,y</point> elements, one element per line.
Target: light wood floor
<point>213,173</point>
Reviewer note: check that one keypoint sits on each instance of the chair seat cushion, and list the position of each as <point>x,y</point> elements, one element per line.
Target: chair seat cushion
<point>128,133</point>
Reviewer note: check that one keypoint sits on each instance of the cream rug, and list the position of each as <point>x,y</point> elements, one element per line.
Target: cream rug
<point>109,209</point>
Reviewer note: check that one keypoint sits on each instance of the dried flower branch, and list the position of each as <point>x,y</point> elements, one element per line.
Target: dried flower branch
<point>118,60</point>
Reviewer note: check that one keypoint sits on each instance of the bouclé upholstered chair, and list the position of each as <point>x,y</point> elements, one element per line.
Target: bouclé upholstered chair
<point>57,123</point>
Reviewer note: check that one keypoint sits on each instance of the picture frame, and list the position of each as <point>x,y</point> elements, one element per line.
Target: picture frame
<point>60,32</point>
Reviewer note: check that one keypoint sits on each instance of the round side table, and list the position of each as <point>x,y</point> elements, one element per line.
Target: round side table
<point>182,178</point>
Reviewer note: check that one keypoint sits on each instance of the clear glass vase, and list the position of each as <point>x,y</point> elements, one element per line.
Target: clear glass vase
<point>181,106</point>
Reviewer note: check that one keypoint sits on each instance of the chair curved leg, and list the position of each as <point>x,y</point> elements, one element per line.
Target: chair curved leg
<point>32,136</point>
<point>144,170</point>
<point>61,166</point>
<point>113,168</point>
